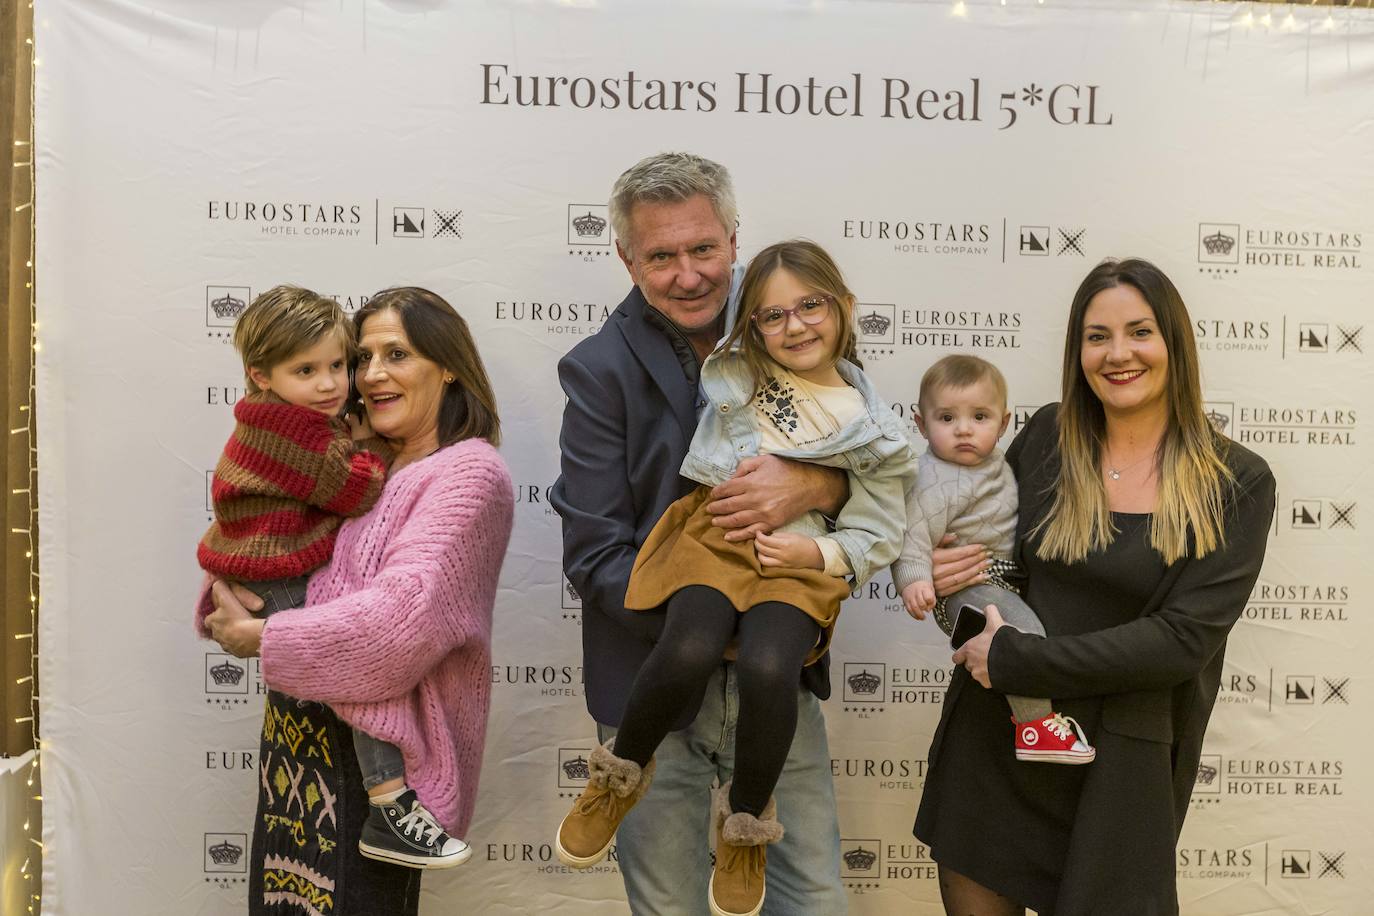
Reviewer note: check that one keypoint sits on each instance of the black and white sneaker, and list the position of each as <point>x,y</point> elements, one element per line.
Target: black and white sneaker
<point>403,832</point>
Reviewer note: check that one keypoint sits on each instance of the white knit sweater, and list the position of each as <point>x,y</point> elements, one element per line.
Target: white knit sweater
<point>975,504</point>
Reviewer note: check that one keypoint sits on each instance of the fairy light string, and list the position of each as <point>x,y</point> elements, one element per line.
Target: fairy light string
<point>23,158</point>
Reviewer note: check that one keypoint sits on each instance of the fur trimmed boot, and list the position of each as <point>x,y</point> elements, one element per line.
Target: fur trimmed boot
<point>742,841</point>
<point>614,786</point>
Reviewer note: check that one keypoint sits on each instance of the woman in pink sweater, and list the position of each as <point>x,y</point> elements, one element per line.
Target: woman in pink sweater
<point>395,638</point>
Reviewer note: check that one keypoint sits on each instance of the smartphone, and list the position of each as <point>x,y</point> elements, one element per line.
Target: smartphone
<point>969,621</point>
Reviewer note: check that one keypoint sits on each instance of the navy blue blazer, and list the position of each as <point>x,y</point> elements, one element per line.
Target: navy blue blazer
<point>629,419</point>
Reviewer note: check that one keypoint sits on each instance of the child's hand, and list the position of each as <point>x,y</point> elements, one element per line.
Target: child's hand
<point>358,427</point>
<point>787,548</point>
<point>919,598</point>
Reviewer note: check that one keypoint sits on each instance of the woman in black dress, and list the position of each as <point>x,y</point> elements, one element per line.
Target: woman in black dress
<point>1141,532</point>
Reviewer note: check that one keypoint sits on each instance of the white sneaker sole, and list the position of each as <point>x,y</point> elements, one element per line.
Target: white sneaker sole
<point>409,861</point>
<point>573,861</point>
<point>717,911</point>
<point>1056,757</point>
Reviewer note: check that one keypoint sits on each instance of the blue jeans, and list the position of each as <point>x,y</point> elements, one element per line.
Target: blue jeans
<point>378,760</point>
<point>663,849</point>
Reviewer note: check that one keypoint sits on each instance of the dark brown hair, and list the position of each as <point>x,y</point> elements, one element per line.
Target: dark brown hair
<point>1190,463</point>
<point>439,333</point>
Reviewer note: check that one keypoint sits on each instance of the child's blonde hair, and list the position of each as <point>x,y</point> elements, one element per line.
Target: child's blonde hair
<point>960,370</point>
<point>812,267</point>
<point>283,321</point>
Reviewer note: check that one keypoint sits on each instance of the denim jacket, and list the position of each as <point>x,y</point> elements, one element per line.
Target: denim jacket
<point>873,450</point>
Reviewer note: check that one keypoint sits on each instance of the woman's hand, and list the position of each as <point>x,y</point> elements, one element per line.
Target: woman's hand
<point>954,568</point>
<point>787,548</point>
<point>973,654</point>
<point>231,624</point>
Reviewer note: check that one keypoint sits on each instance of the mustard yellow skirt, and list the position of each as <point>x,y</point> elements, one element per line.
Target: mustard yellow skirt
<point>684,549</point>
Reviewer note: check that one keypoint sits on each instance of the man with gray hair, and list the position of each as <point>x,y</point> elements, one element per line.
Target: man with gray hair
<point>633,402</point>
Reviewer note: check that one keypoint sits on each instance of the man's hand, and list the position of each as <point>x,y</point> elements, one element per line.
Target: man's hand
<point>786,548</point>
<point>767,492</point>
<point>973,654</point>
<point>919,598</point>
<point>954,568</point>
<point>232,625</point>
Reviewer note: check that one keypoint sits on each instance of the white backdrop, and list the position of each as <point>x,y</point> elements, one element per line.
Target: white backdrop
<point>965,164</point>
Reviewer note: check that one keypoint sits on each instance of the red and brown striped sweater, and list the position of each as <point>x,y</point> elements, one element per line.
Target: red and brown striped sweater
<point>287,478</point>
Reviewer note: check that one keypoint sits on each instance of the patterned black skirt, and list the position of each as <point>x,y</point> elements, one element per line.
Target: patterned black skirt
<point>311,808</point>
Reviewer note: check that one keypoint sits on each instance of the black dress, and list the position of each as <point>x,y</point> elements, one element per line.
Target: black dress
<point>1134,654</point>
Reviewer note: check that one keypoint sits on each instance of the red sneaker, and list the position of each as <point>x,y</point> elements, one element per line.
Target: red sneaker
<point>1054,739</point>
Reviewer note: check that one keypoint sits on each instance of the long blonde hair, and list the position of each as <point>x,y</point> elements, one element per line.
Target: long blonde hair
<point>813,267</point>
<point>1190,462</point>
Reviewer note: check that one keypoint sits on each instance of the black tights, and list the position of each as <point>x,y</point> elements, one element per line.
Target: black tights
<point>774,639</point>
<point>962,896</point>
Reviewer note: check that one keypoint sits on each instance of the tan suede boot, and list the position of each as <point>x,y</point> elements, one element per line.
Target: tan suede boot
<point>613,788</point>
<point>742,841</point>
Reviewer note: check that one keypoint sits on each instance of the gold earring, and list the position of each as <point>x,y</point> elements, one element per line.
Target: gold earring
<point>448,380</point>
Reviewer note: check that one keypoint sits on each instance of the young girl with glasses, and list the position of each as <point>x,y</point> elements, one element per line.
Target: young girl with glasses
<point>783,382</point>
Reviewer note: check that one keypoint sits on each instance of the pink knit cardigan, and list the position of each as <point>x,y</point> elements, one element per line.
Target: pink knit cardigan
<point>396,633</point>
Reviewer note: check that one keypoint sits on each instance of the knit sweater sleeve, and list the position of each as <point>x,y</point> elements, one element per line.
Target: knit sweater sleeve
<point>281,449</point>
<point>427,598</point>
<point>350,478</point>
<point>928,515</point>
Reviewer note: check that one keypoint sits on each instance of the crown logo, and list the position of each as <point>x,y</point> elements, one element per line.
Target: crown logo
<point>874,324</point>
<point>227,306</point>
<point>577,768</point>
<point>1205,774</point>
<point>1218,420</point>
<point>860,859</point>
<point>225,853</point>
<point>572,592</point>
<point>864,682</point>
<point>1218,243</point>
<point>589,226</point>
<point>226,673</point>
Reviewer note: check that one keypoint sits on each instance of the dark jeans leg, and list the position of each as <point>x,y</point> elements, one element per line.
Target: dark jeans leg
<point>279,594</point>
<point>379,761</point>
<point>700,622</point>
<point>774,639</point>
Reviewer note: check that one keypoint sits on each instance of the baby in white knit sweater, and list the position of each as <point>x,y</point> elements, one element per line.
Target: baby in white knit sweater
<point>965,487</point>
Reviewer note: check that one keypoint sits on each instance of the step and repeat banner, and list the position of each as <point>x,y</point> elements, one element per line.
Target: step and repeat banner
<point>966,164</point>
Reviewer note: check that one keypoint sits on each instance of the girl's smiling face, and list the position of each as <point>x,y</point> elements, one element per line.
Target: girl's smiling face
<point>806,349</point>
